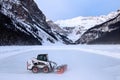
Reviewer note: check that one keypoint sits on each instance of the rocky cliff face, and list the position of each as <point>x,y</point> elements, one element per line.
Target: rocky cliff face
<point>10,35</point>
<point>105,33</point>
<point>59,32</point>
<point>21,22</point>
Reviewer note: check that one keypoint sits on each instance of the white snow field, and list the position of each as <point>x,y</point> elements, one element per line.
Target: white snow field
<point>85,62</point>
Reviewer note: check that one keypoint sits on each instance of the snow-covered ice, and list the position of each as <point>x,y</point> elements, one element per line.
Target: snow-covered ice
<point>85,62</point>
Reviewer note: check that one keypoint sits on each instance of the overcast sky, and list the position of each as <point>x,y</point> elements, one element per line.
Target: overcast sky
<point>66,9</point>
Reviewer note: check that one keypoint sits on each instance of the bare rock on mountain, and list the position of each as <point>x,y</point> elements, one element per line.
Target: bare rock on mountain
<point>105,33</point>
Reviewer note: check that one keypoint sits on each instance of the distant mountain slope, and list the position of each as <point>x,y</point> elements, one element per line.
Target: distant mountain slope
<point>105,33</point>
<point>112,37</point>
<point>59,32</point>
<point>77,26</point>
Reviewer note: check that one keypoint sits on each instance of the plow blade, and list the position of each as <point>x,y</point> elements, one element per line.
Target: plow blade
<point>61,69</point>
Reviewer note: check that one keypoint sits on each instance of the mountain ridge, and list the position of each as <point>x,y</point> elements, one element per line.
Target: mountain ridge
<point>76,27</point>
<point>105,33</point>
<point>23,23</point>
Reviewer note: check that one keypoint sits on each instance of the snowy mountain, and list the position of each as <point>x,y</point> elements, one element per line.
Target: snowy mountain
<point>77,26</point>
<point>59,32</point>
<point>22,22</point>
<point>105,33</point>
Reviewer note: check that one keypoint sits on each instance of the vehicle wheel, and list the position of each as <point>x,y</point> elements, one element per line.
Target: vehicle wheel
<point>35,69</point>
<point>45,69</point>
<point>60,71</point>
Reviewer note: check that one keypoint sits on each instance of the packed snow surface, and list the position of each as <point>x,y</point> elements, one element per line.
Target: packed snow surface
<point>85,62</point>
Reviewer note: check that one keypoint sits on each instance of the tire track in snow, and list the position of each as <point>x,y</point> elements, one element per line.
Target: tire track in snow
<point>34,48</point>
<point>88,50</point>
<point>114,71</point>
<point>14,52</point>
<point>102,52</point>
